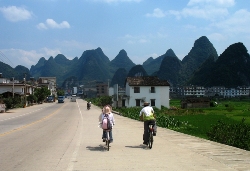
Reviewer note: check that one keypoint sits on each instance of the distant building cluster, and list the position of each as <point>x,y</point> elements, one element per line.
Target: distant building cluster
<point>200,91</point>
<point>11,87</point>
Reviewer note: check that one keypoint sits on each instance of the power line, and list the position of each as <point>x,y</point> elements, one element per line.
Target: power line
<point>2,55</point>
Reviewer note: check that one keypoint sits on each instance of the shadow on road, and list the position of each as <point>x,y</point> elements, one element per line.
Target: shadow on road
<point>138,146</point>
<point>99,148</point>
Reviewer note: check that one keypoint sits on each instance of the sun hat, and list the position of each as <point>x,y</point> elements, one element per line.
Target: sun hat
<point>146,103</point>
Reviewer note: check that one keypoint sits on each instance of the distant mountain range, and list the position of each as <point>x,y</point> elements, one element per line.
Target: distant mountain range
<point>201,66</point>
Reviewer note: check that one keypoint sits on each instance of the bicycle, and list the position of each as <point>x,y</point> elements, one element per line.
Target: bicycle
<point>107,137</point>
<point>150,139</point>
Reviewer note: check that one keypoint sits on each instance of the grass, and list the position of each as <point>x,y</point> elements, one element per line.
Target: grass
<point>200,121</point>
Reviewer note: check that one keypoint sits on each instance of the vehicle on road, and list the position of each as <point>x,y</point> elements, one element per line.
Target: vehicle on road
<point>88,105</point>
<point>60,99</point>
<point>50,99</point>
<point>73,98</point>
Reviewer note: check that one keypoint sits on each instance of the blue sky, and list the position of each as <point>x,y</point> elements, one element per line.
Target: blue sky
<point>31,29</point>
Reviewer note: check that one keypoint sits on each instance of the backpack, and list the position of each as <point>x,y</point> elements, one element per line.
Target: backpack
<point>106,123</point>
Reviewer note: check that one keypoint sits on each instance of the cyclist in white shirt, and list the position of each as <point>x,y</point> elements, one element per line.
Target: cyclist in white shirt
<point>148,117</point>
<point>107,110</point>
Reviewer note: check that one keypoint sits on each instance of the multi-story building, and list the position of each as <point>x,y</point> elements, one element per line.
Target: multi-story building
<point>197,91</point>
<point>102,89</point>
<point>214,91</point>
<point>244,90</point>
<point>50,82</point>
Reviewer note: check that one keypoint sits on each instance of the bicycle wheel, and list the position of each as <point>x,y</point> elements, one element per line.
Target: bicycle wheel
<point>150,140</point>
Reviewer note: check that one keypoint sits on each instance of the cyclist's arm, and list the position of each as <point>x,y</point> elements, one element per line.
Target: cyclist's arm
<point>141,116</point>
<point>113,119</point>
<point>152,110</point>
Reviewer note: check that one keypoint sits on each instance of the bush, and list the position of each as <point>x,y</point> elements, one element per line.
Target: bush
<point>237,135</point>
<point>101,101</point>
<point>8,102</point>
<point>16,102</point>
<point>230,108</point>
<point>32,98</point>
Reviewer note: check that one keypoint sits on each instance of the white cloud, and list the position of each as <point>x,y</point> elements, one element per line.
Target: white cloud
<point>205,9</point>
<point>191,27</point>
<point>28,58</point>
<point>236,23</point>
<point>136,39</point>
<point>50,23</point>
<point>142,39</point>
<point>14,14</point>
<point>224,3</point>
<point>156,13</point>
<point>217,37</point>
<point>74,45</point>
<point>50,52</point>
<point>42,26</point>
<point>209,12</point>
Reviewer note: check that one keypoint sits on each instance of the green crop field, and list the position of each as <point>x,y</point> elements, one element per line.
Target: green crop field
<point>199,121</point>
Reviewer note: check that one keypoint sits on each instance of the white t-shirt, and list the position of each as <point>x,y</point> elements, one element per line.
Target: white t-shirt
<point>148,110</point>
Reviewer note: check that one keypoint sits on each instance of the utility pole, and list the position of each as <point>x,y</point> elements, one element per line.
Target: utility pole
<point>32,88</point>
<point>13,87</point>
<point>25,89</point>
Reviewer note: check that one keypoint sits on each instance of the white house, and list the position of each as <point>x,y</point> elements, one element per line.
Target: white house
<point>50,82</point>
<point>146,89</point>
<point>14,87</point>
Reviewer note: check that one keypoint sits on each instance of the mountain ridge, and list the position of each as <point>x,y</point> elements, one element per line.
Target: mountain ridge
<point>94,65</point>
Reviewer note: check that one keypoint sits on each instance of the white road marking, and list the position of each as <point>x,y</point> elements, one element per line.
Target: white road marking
<point>78,144</point>
<point>21,115</point>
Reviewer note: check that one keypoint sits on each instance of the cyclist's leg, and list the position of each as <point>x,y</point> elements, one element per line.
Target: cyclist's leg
<point>111,135</point>
<point>103,135</point>
<point>155,127</point>
<point>146,133</point>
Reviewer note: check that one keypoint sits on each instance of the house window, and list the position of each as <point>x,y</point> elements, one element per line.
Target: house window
<point>138,102</point>
<point>152,90</point>
<point>136,89</point>
<point>152,102</point>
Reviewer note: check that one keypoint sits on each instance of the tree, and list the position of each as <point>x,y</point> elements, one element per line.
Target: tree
<point>104,100</point>
<point>32,98</point>
<point>41,93</point>
<point>60,93</point>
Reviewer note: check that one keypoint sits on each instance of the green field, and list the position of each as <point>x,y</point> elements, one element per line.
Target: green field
<point>200,120</point>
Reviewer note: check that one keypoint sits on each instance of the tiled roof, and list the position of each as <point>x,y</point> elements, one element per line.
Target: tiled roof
<point>146,81</point>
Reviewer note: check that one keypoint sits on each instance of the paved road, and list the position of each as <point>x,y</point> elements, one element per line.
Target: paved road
<point>68,138</point>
